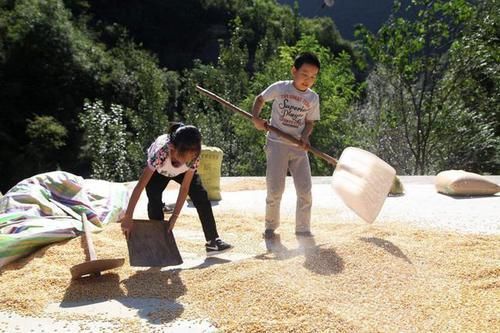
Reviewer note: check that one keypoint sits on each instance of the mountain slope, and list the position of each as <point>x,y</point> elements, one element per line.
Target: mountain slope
<point>348,13</point>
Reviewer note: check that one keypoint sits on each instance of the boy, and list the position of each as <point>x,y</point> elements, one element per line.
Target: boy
<point>294,110</point>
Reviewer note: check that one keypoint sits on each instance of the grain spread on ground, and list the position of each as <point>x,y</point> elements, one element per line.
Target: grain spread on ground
<point>351,277</point>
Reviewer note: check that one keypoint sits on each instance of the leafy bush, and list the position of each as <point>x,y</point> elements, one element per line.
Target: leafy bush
<point>107,143</point>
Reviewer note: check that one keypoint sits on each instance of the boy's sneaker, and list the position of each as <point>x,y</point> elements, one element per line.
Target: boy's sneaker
<point>303,234</point>
<point>217,246</point>
<point>269,234</point>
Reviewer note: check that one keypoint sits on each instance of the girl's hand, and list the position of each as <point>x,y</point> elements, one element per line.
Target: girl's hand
<point>127,226</point>
<point>171,222</point>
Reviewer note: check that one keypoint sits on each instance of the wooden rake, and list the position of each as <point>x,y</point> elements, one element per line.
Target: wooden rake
<point>93,266</point>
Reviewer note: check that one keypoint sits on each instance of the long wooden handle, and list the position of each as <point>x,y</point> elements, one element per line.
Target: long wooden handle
<point>245,114</point>
<point>88,238</point>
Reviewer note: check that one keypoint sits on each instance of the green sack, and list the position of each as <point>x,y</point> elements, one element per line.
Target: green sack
<point>397,187</point>
<point>210,170</point>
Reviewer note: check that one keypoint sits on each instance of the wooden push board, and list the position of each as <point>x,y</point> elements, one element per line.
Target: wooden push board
<point>151,245</point>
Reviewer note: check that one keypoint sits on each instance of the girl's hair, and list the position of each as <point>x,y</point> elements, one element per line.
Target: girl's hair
<point>185,138</point>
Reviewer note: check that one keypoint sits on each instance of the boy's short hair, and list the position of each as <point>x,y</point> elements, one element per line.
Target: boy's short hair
<point>306,58</point>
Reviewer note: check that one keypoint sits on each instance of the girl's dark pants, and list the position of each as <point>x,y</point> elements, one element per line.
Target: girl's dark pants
<point>197,193</point>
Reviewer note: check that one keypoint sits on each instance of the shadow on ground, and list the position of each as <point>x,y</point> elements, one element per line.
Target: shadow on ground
<point>150,295</point>
<point>318,258</point>
<point>387,246</point>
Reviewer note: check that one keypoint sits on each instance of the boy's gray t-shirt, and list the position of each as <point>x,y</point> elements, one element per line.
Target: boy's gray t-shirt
<point>291,108</point>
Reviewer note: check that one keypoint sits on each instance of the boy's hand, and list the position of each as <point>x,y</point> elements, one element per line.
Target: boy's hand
<point>304,142</point>
<point>259,123</point>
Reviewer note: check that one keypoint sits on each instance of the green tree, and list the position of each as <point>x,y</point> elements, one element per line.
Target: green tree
<point>143,87</point>
<point>46,62</point>
<point>337,89</point>
<point>228,79</point>
<point>412,57</point>
<point>236,136</point>
<point>107,142</point>
<point>53,60</point>
<point>473,85</point>
<point>264,26</point>
<point>214,122</point>
<point>46,137</point>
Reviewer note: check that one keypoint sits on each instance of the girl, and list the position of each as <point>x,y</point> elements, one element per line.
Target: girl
<point>175,156</point>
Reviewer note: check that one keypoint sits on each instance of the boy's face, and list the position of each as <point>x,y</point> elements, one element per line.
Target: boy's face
<point>305,76</point>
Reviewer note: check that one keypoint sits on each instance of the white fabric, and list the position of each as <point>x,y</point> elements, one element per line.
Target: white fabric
<point>280,158</point>
<point>291,108</point>
<point>159,158</point>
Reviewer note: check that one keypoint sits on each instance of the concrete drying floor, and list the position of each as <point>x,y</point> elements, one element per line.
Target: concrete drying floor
<point>420,206</point>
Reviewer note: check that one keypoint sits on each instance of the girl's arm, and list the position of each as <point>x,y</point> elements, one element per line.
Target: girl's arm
<point>181,198</point>
<point>134,198</point>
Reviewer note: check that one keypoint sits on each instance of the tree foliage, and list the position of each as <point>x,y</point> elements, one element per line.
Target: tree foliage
<point>336,87</point>
<point>50,62</point>
<point>473,85</point>
<point>46,137</point>
<point>243,144</point>
<point>85,86</point>
<point>415,109</point>
<point>106,142</point>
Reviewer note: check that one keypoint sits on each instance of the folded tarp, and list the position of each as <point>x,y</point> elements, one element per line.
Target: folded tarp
<point>46,208</point>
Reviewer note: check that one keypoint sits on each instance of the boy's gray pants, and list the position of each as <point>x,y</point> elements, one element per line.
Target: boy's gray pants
<point>280,158</point>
